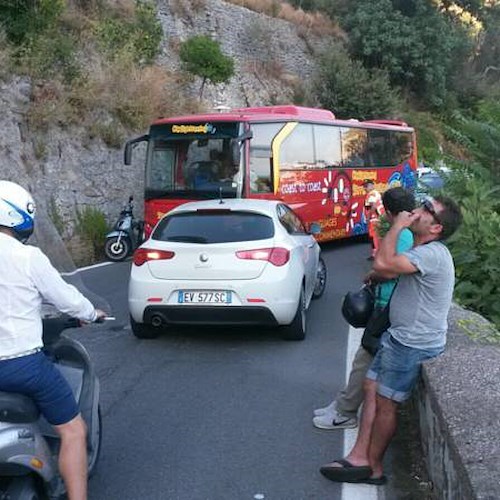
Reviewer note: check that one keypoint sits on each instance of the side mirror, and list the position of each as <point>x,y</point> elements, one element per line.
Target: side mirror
<point>235,153</point>
<point>235,147</point>
<point>128,154</point>
<point>127,157</point>
<point>314,228</point>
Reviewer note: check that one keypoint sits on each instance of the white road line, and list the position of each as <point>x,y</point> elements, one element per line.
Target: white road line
<point>355,491</point>
<point>76,271</point>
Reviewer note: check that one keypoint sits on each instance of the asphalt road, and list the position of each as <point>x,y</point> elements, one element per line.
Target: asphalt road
<point>219,414</point>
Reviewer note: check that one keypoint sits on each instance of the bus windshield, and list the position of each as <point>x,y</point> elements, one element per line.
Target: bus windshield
<point>192,165</point>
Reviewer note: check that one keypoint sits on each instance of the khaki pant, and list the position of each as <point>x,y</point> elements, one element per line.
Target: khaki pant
<point>350,398</point>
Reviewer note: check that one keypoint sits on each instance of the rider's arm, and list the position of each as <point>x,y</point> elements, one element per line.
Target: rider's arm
<point>55,290</point>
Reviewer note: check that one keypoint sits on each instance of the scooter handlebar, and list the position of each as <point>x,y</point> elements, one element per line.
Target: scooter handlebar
<point>102,319</point>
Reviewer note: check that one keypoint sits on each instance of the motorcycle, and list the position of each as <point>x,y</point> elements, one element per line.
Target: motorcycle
<point>28,444</point>
<point>126,235</point>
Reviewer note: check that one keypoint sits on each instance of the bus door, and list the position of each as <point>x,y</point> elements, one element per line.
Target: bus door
<point>260,179</point>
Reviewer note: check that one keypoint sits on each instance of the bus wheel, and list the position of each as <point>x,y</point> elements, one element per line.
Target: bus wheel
<point>321,275</point>
<point>296,330</point>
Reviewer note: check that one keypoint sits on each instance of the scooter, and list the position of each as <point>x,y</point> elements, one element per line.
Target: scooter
<point>126,235</point>
<point>29,446</point>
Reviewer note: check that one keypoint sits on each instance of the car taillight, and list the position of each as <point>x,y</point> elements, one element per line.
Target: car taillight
<point>142,255</point>
<point>276,256</point>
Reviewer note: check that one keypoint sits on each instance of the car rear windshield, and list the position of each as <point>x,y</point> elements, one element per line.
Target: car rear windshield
<point>214,226</point>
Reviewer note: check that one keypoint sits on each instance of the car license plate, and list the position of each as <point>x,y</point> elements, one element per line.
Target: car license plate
<point>204,297</point>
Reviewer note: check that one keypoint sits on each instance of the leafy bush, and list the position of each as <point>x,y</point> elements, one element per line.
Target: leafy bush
<point>139,36</point>
<point>475,245</point>
<point>351,91</point>
<point>92,226</point>
<point>203,57</point>
<point>24,19</point>
<point>49,55</point>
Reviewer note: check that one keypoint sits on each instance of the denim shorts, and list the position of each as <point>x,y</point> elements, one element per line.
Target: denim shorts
<point>396,367</point>
<point>37,377</point>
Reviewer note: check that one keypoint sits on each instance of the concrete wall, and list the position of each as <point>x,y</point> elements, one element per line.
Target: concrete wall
<point>459,410</point>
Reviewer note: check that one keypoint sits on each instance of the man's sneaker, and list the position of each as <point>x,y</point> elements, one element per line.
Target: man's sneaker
<point>327,409</point>
<point>335,420</point>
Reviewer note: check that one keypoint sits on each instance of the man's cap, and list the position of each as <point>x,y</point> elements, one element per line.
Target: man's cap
<point>368,181</point>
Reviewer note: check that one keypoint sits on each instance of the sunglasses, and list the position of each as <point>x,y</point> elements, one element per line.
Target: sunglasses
<point>429,207</point>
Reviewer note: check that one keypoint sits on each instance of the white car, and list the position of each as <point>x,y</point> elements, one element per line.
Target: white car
<point>226,262</point>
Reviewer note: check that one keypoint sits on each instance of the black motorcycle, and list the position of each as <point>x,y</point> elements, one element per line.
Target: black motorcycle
<point>126,235</point>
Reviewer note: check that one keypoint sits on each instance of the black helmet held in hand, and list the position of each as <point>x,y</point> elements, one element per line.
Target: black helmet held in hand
<point>357,307</point>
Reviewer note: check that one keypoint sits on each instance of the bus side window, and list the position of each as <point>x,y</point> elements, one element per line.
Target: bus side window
<point>402,146</point>
<point>354,144</point>
<point>379,148</point>
<point>327,146</point>
<point>297,150</point>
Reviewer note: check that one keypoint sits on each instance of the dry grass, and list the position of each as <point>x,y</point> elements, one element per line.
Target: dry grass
<point>134,95</point>
<point>186,8</point>
<point>310,22</point>
<point>114,97</point>
<point>50,105</point>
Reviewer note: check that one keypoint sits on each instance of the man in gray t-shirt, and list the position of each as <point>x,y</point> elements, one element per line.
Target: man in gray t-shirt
<point>419,309</point>
<point>418,313</point>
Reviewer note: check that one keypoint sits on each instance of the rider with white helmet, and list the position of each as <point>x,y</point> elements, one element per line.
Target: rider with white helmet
<point>28,277</point>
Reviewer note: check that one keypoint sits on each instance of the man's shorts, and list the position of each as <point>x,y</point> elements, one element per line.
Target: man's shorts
<point>37,377</point>
<point>396,367</point>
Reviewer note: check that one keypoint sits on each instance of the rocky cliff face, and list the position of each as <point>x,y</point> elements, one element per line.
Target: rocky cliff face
<point>67,171</point>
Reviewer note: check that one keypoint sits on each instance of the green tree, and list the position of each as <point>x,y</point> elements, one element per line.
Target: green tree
<point>203,57</point>
<point>420,47</point>
<point>350,90</point>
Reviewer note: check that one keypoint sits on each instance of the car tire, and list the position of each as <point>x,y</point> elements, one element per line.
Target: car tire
<point>142,331</point>
<point>296,330</point>
<point>321,276</point>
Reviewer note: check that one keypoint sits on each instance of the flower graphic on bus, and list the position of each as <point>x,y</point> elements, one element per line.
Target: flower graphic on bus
<point>338,189</point>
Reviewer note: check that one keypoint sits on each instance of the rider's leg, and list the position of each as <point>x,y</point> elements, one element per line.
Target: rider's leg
<point>73,457</point>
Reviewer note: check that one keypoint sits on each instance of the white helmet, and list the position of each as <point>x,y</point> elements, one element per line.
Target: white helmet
<point>17,209</point>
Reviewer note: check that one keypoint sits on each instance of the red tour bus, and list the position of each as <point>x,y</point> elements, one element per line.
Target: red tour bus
<point>303,156</point>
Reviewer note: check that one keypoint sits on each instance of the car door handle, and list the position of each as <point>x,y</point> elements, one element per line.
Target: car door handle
<point>310,246</point>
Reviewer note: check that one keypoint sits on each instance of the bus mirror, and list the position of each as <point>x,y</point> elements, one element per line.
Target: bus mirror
<point>235,153</point>
<point>236,145</point>
<point>128,154</point>
<point>127,159</point>
<point>314,228</point>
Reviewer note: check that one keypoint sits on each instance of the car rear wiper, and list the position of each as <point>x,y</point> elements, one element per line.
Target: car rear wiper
<point>188,239</point>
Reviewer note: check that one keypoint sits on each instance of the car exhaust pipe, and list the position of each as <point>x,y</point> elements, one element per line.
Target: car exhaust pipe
<point>157,320</point>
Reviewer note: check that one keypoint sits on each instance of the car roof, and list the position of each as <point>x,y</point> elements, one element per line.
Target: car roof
<point>267,207</point>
